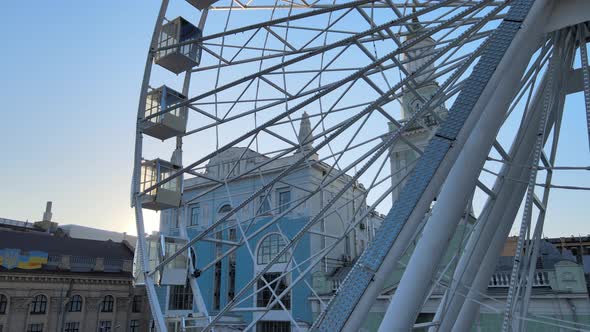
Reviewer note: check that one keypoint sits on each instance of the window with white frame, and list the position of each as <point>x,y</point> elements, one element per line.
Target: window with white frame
<point>269,248</point>
<point>195,214</point>
<point>181,297</point>
<point>231,283</point>
<point>217,274</point>
<point>273,326</point>
<point>284,199</point>
<point>276,284</point>
<point>224,209</point>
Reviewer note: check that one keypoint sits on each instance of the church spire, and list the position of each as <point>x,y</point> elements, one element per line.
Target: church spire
<point>305,136</point>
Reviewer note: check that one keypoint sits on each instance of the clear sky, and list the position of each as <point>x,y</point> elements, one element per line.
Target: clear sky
<point>69,83</point>
<point>70,73</point>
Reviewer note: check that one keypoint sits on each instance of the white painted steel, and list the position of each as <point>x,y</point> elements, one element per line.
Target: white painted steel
<point>160,324</point>
<point>452,182</point>
<point>507,198</point>
<point>458,186</point>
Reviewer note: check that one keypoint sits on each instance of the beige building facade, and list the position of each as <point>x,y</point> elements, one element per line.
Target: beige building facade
<point>50,282</point>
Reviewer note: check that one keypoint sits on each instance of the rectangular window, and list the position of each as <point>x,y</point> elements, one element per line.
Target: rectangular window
<point>231,287</point>
<point>284,200</point>
<point>134,325</point>
<point>72,327</point>
<point>195,213</point>
<point>264,204</point>
<point>137,302</point>
<point>181,297</point>
<point>105,326</point>
<point>3,304</point>
<point>217,275</point>
<point>273,326</point>
<point>264,295</point>
<point>35,328</point>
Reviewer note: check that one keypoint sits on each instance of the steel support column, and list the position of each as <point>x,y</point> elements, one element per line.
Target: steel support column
<point>459,185</point>
<point>502,217</point>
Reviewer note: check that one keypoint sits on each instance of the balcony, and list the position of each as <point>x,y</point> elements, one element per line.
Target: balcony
<point>502,279</point>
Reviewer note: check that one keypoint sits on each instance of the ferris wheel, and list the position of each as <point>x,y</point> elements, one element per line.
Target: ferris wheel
<point>310,157</point>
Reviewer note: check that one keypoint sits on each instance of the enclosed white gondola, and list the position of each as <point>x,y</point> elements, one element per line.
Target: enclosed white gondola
<point>153,255</point>
<point>160,247</point>
<point>175,272</point>
<point>178,49</point>
<point>162,197</point>
<point>168,124</point>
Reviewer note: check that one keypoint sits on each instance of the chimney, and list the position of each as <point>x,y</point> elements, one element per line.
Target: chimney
<point>47,214</point>
<point>46,224</point>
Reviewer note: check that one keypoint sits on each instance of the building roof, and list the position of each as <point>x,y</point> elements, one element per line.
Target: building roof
<point>55,245</point>
<point>89,233</point>
<point>16,224</point>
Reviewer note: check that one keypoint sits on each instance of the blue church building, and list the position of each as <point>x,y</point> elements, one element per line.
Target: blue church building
<point>219,280</point>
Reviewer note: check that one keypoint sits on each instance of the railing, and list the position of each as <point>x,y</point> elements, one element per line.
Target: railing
<point>113,265</point>
<point>502,279</point>
<point>53,262</point>
<point>82,263</point>
<point>87,264</point>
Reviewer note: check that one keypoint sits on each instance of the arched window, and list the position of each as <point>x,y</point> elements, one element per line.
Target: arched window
<point>107,304</point>
<point>225,209</point>
<point>269,247</point>
<point>75,304</point>
<point>39,304</point>
<point>3,304</point>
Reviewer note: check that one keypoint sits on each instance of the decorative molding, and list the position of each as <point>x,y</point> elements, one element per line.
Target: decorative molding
<point>123,303</point>
<point>78,279</point>
<point>92,304</point>
<point>19,304</point>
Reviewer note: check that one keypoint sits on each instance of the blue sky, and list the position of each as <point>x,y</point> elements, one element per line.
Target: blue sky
<point>70,78</point>
<point>71,72</point>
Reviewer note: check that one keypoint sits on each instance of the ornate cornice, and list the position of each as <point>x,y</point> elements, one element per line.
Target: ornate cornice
<point>79,279</point>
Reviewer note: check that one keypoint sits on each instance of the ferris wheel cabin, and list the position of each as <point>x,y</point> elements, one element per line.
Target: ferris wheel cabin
<point>175,272</point>
<point>178,50</point>
<point>201,4</point>
<point>162,197</point>
<point>165,125</point>
<point>160,247</point>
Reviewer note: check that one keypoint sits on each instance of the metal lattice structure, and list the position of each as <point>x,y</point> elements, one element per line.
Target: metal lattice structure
<point>441,113</point>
